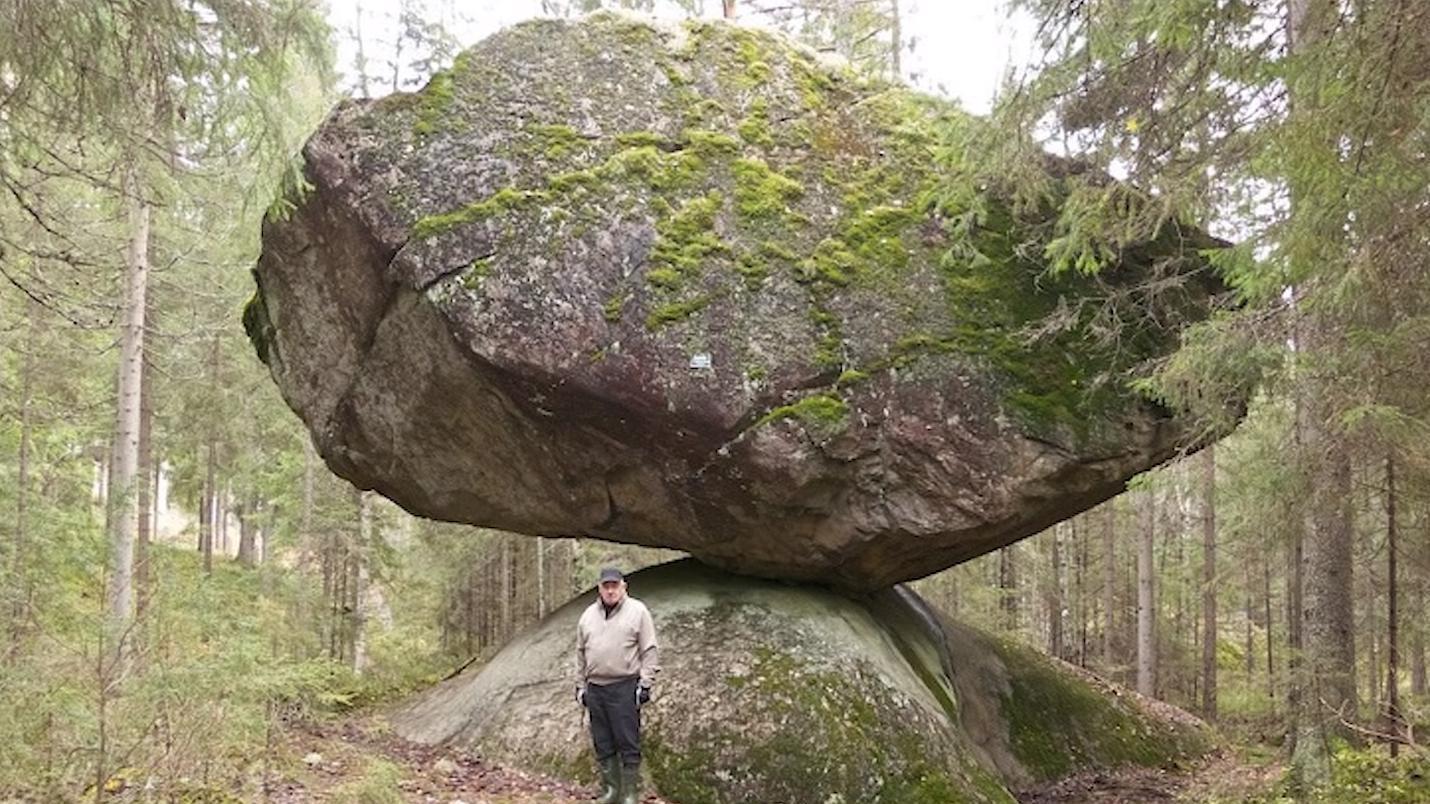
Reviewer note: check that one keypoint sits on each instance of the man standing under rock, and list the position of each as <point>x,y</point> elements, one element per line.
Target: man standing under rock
<point>616,664</point>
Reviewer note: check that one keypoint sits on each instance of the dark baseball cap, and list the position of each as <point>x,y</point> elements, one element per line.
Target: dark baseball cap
<point>611,574</point>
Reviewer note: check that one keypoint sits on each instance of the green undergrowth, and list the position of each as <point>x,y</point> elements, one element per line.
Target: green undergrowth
<point>1367,775</point>
<point>377,784</point>
<point>224,657</point>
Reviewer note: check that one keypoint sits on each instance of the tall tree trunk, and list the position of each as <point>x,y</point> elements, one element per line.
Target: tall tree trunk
<point>308,548</point>
<point>1270,655</point>
<point>1008,587</point>
<point>1055,595</point>
<point>305,514</point>
<point>337,571</point>
<point>729,7</point>
<point>1209,624</point>
<point>265,553</point>
<point>506,587</point>
<point>896,39</point>
<point>1250,623</point>
<point>362,554</point>
<point>540,578</point>
<point>1417,640</point>
<point>361,53</point>
<point>1176,526</point>
<point>1327,697</point>
<point>124,520</point>
<point>18,586</point>
<point>1080,587</point>
<point>1295,550</point>
<point>203,516</point>
<point>222,512</point>
<point>1109,581</point>
<point>148,489</point>
<point>1146,615</point>
<point>1392,624</point>
<point>247,532</point>
<point>206,522</point>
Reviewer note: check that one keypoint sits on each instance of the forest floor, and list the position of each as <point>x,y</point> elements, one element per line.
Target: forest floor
<point>1220,777</point>
<point>359,760</point>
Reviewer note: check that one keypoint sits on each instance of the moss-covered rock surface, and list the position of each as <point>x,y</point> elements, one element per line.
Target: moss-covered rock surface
<point>792,693</point>
<point>688,285</point>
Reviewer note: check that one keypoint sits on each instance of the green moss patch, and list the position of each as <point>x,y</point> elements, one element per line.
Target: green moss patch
<point>684,241</point>
<point>761,191</point>
<point>675,311</point>
<point>823,415</point>
<point>1058,724</point>
<point>755,128</point>
<point>433,103</point>
<point>506,199</point>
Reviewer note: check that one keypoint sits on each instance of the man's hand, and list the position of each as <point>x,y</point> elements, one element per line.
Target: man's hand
<point>581,694</point>
<point>642,695</point>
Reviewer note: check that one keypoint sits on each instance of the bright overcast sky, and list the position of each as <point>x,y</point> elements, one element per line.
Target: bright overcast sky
<point>961,48</point>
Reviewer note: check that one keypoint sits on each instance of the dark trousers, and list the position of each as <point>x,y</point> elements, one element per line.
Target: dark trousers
<point>615,720</point>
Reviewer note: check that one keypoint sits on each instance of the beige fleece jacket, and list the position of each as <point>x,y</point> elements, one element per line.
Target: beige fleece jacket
<point>616,646</point>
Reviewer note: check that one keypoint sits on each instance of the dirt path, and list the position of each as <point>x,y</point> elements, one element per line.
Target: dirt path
<point>1222,777</point>
<point>356,760</point>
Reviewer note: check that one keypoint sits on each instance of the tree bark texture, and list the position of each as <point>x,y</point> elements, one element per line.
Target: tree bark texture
<point>362,555</point>
<point>1146,613</point>
<point>123,519</point>
<point>18,581</point>
<point>147,491</point>
<point>1392,622</point>
<point>1109,580</point>
<point>1055,594</point>
<point>1209,582</point>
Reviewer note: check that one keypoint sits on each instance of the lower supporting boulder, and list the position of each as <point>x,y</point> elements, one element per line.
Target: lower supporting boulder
<point>793,693</point>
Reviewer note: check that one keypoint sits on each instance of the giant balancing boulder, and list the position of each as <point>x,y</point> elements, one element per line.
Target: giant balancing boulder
<point>691,287</point>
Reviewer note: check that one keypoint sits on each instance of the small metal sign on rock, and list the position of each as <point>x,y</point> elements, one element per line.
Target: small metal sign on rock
<point>700,360</point>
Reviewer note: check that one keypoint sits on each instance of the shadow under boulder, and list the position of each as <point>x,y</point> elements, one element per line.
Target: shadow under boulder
<point>789,692</point>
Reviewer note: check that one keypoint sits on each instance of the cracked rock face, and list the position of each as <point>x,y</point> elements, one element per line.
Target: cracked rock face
<point>690,287</point>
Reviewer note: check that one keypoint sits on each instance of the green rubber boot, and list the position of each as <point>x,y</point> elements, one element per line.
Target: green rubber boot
<point>610,780</point>
<point>631,785</point>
